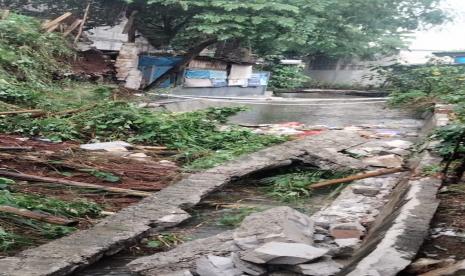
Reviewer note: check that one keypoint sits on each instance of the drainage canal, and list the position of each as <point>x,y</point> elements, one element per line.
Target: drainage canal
<point>225,209</point>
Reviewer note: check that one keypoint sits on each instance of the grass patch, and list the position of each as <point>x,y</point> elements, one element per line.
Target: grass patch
<point>234,217</point>
<point>10,241</point>
<point>293,186</point>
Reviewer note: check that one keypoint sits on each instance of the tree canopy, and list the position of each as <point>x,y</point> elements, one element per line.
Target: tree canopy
<point>300,27</point>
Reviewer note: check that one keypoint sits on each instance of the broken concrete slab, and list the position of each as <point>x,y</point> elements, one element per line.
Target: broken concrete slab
<point>384,161</point>
<point>178,273</point>
<point>185,255</point>
<point>283,253</point>
<point>214,266</point>
<point>351,230</point>
<point>326,267</point>
<point>246,267</point>
<point>281,224</point>
<point>365,190</point>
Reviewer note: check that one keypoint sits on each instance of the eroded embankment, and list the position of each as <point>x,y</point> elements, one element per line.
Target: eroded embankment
<point>365,205</point>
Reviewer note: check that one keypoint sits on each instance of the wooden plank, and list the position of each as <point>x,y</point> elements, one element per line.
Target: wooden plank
<point>37,216</point>
<point>73,26</point>
<point>84,19</point>
<point>35,178</point>
<point>56,21</point>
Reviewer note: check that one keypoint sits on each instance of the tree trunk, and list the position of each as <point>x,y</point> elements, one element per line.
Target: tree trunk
<point>192,54</point>
<point>130,27</point>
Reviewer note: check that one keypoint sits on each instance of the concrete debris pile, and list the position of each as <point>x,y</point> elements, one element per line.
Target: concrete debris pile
<point>277,240</point>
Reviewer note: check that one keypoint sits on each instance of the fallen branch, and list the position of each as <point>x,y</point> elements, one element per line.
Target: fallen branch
<point>37,216</point>
<point>34,178</point>
<point>332,182</point>
<point>16,112</point>
<point>15,148</point>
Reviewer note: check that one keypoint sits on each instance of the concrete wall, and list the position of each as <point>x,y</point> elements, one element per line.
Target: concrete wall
<point>354,72</point>
<point>229,91</point>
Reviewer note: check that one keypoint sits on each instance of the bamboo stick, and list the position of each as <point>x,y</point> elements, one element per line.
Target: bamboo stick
<point>84,19</point>
<point>35,178</point>
<point>332,182</point>
<point>37,216</point>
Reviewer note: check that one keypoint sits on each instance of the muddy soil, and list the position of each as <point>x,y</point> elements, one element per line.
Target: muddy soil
<point>449,216</point>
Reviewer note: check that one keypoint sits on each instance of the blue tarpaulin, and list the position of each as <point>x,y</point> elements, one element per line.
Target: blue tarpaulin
<point>205,74</point>
<point>153,67</point>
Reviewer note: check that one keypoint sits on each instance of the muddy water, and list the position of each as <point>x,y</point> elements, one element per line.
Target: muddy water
<point>208,220</point>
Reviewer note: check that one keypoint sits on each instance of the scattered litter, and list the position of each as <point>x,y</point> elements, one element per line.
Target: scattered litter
<point>107,146</point>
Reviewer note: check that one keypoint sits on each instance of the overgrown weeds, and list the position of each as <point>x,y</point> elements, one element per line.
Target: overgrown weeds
<point>293,186</point>
<point>422,87</point>
<point>10,240</point>
<point>196,134</point>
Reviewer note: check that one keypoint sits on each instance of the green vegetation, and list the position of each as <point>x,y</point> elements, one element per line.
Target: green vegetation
<point>100,118</point>
<point>10,241</point>
<point>194,133</point>
<point>287,77</point>
<point>293,186</point>
<point>424,86</point>
<point>164,241</point>
<point>70,209</point>
<point>234,217</point>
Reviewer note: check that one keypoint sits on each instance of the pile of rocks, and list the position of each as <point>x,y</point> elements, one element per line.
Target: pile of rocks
<point>279,240</point>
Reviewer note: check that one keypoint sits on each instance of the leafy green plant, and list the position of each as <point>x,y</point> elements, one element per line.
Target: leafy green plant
<point>105,176</point>
<point>293,186</point>
<point>9,241</point>
<point>5,182</point>
<point>194,133</point>
<point>287,77</point>
<point>164,241</point>
<point>75,209</point>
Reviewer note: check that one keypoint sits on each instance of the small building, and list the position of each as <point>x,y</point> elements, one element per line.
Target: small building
<point>205,76</point>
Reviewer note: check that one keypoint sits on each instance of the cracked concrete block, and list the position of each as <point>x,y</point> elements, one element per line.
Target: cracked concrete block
<point>284,253</point>
<point>178,273</point>
<point>326,267</point>
<point>282,224</point>
<point>365,190</point>
<point>246,267</point>
<point>384,161</point>
<point>351,230</point>
<point>215,266</point>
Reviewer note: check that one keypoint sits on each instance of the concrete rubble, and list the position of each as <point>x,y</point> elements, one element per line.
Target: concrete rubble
<point>284,253</point>
<point>282,224</point>
<point>279,236</point>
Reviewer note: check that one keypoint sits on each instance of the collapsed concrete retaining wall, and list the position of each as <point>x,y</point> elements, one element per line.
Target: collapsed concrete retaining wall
<point>399,231</point>
<point>164,209</point>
